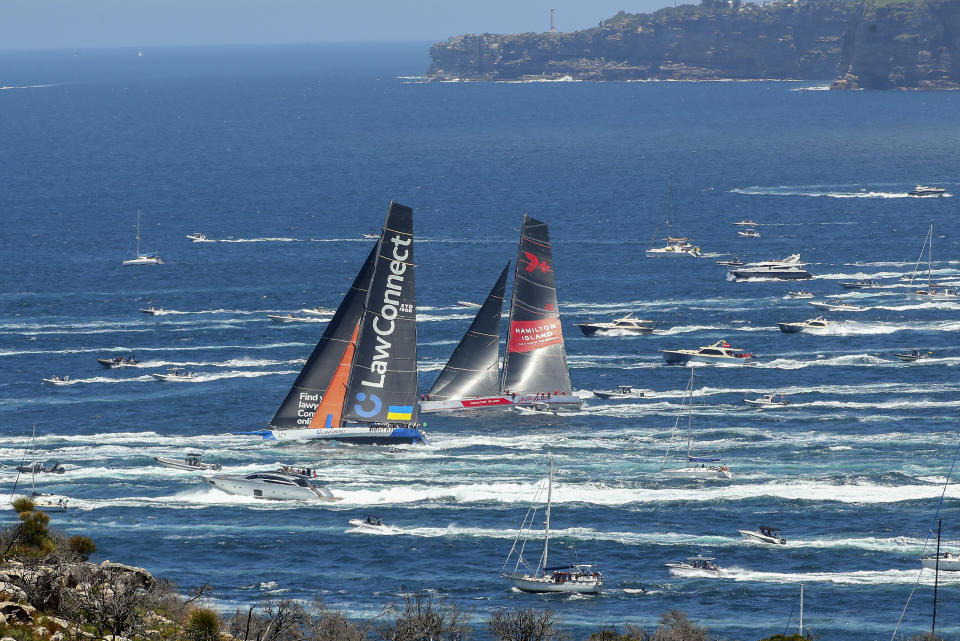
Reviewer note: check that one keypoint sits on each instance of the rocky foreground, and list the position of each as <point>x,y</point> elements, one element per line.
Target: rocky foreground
<point>886,44</point>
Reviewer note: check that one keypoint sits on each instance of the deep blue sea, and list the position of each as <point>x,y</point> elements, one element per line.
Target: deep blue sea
<point>286,156</point>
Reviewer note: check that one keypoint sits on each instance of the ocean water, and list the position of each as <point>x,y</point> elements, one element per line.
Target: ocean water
<point>286,156</point>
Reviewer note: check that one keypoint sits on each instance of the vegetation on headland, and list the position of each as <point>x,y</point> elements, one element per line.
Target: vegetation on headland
<point>865,43</point>
<point>49,591</point>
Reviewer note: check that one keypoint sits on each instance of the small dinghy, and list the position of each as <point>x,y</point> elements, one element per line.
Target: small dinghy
<point>913,355</point>
<point>764,534</point>
<point>770,400</point>
<point>190,462</point>
<point>174,374</point>
<point>371,525</point>
<point>118,361</point>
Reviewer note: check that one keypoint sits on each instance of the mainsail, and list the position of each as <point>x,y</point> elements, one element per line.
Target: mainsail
<point>474,368</point>
<point>536,359</point>
<point>383,380</point>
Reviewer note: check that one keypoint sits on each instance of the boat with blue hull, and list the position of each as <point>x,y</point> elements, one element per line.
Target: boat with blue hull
<point>359,384</point>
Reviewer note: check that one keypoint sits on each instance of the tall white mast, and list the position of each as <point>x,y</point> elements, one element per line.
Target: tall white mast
<point>138,233</point>
<point>801,610</point>
<point>546,538</point>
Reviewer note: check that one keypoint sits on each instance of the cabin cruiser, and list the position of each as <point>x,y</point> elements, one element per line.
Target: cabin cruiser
<point>789,268</point>
<point>746,223</point>
<point>197,237</point>
<point>764,534</point>
<point>913,355</point>
<point>948,561</point>
<point>922,191</point>
<point>795,328</point>
<point>834,305</point>
<point>863,283</point>
<point>694,566</point>
<point>748,233</point>
<point>175,374</point>
<point>271,485</point>
<point>770,400</point>
<point>190,462</point>
<point>623,391</point>
<point>736,262</point>
<point>719,352</point>
<point>118,361</point>
<point>371,236</point>
<point>285,318</point>
<point>38,467</point>
<point>371,525</point>
<point>627,324</point>
<point>799,294</point>
<point>675,247</point>
<point>58,380</point>
<point>155,311</point>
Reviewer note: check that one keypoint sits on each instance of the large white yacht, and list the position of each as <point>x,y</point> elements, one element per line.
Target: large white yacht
<point>628,324</point>
<point>675,247</point>
<point>719,352</point>
<point>795,328</point>
<point>789,268</point>
<point>278,486</point>
<point>764,534</point>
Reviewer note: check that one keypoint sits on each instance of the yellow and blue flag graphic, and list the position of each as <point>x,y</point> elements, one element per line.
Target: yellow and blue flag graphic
<point>400,412</point>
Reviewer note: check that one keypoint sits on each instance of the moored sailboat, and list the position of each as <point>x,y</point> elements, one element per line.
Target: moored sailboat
<point>149,258</point>
<point>694,466</point>
<point>535,371</point>
<point>360,383</point>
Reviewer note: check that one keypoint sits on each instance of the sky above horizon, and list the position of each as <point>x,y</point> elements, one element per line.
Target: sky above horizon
<point>52,24</point>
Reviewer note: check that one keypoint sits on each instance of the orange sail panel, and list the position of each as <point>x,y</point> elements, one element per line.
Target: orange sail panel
<point>331,405</point>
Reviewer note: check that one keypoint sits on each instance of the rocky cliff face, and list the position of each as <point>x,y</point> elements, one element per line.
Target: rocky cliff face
<point>904,43</point>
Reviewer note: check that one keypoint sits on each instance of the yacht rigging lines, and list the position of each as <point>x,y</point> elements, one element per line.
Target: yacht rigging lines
<point>535,371</point>
<point>359,384</point>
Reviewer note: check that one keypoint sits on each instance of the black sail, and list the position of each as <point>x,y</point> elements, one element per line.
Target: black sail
<point>298,408</point>
<point>536,360</point>
<point>474,368</point>
<point>383,381</point>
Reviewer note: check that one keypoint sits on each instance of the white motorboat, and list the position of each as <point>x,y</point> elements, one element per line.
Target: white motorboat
<point>913,355</point>
<point>764,534</point>
<point>118,361</point>
<point>153,311</point>
<point>38,467</point>
<point>576,578</point>
<point>628,324</point>
<point>863,283</point>
<point>317,311</point>
<point>799,294</point>
<point>276,486</point>
<point>694,566</point>
<point>719,352</point>
<point>675,246</point>
<point>150,258</point>
<point>837,306</point>
<point>735,262</point>
<point>924,191</point>
<point>58,380</point>
<point>695,467</point>
<point>948,561</point>
<point>197,237</point>
<point>174,374</point>
<point>789,268</point>
<point>466,303</point>
<point>371,236</point>
<point>190,462</point>
<point>813,323</point>
<point>770,400</point>
<point>43,501</point>
<point>372,525</point>
<point>748,233</point>
<point>746,223</point>
<point>623,391</point>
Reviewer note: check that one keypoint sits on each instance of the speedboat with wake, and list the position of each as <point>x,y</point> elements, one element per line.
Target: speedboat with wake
<point>748,233</point>
<point>628,324</point>
<point>576,578</point>
<point>174,374</point>
<point>863,283</point>
<point>676,246</point>
<point>694,566</point>
<point>275,486</point>
<point>745,223</point>
<point>735,262</point>
<point>359,385</point>
<point>795,328</point>
<point>623,391</point>
<point>770,400</point>
<point>317,311</point>
<point>925,191</point>
<point>535,371</point>
<point>189,462</point>
<point>789,268</point>
<point>197,237</point>
<point>719,352</point>
<point>287,318</point>
<point>118,361</point>
<point>371,525</point>
<point>913,355</point>
<point>467,303</point>
<point>799,294</point>
<point>153,311</point>
<point>764,534</point>
<point>58,380</point>
<point>837,306</point>
<point>695,467</point>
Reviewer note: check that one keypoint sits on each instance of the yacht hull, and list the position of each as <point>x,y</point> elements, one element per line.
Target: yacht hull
<point>544,584</point>
<point>949,563</point>
<point>698,473</point>
<point>559,402</point>
<point>238,486</point>
<point>357,435</point>
<point>681,356</point>
<point>783,275</point>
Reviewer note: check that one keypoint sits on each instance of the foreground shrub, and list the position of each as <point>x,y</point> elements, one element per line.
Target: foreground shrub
<point>524,625</point>
<point>23,504</point>
<point>203,625</point>
<point>82,546</point>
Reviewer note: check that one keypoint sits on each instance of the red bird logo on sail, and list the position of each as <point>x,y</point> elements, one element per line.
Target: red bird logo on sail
<point>534,263</point>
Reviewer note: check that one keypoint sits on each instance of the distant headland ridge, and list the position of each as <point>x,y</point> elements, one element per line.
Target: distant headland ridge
<point>876,44</point>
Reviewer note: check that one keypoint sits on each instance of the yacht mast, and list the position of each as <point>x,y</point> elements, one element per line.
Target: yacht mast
<point>546,538</point>
<point>801,610</point>
<point>138,233</point>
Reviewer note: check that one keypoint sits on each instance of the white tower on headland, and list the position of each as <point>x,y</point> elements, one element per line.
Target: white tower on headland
<point>553,21</point>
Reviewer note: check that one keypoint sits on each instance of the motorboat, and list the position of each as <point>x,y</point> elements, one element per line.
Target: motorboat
<point>174,374</point>
<point>799,294</point>
<point>150,258</point>
<point>770,400</point>
<point>197,237</point>
<point>948,561</point>
<point>316,311</point>
<point>795,328</point>
<point>837,306</point>
<point>371,525</point>
<point>789,268</point>
<point>675,247</point>
<point>913,355</point>
<point>371,236</point>
<point>748,233</point>
<point>576,578</point>
<point>628,324</point>
<point>693,467</point>
<point>746,223</point>
<point>863,283</point>
<point>286,318</point>
<point>467,303</point>
<point>153,311</point>
<point>623,391</point>
<point>937,292</point>
<point>271,486</point>
<point>118,361</point>
<point>924,191</point>
<point>46,502</point>
<point>58,380</point>
<point>719,352</point>
<point>189,462</point>
<point>694,566</point>
<point>764,534</point>
<point>736,262</point>
<point>38,467</point>
<point>42,501</point>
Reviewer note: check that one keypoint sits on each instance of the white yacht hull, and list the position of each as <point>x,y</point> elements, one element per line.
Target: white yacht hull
<point>670,253</point>
<point>357,434</point>
<point>947,564</point>
<point>574,585</point>
<point>698,472</point>
<point>685,356</point>
<point>756,537</point>
<point>679,570</point>
<point>169,378</point>
<point>360,525</point>
<point>143,260</point>
<point>238,486</point>
<point>558,402</point>
<point>182,465</point>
